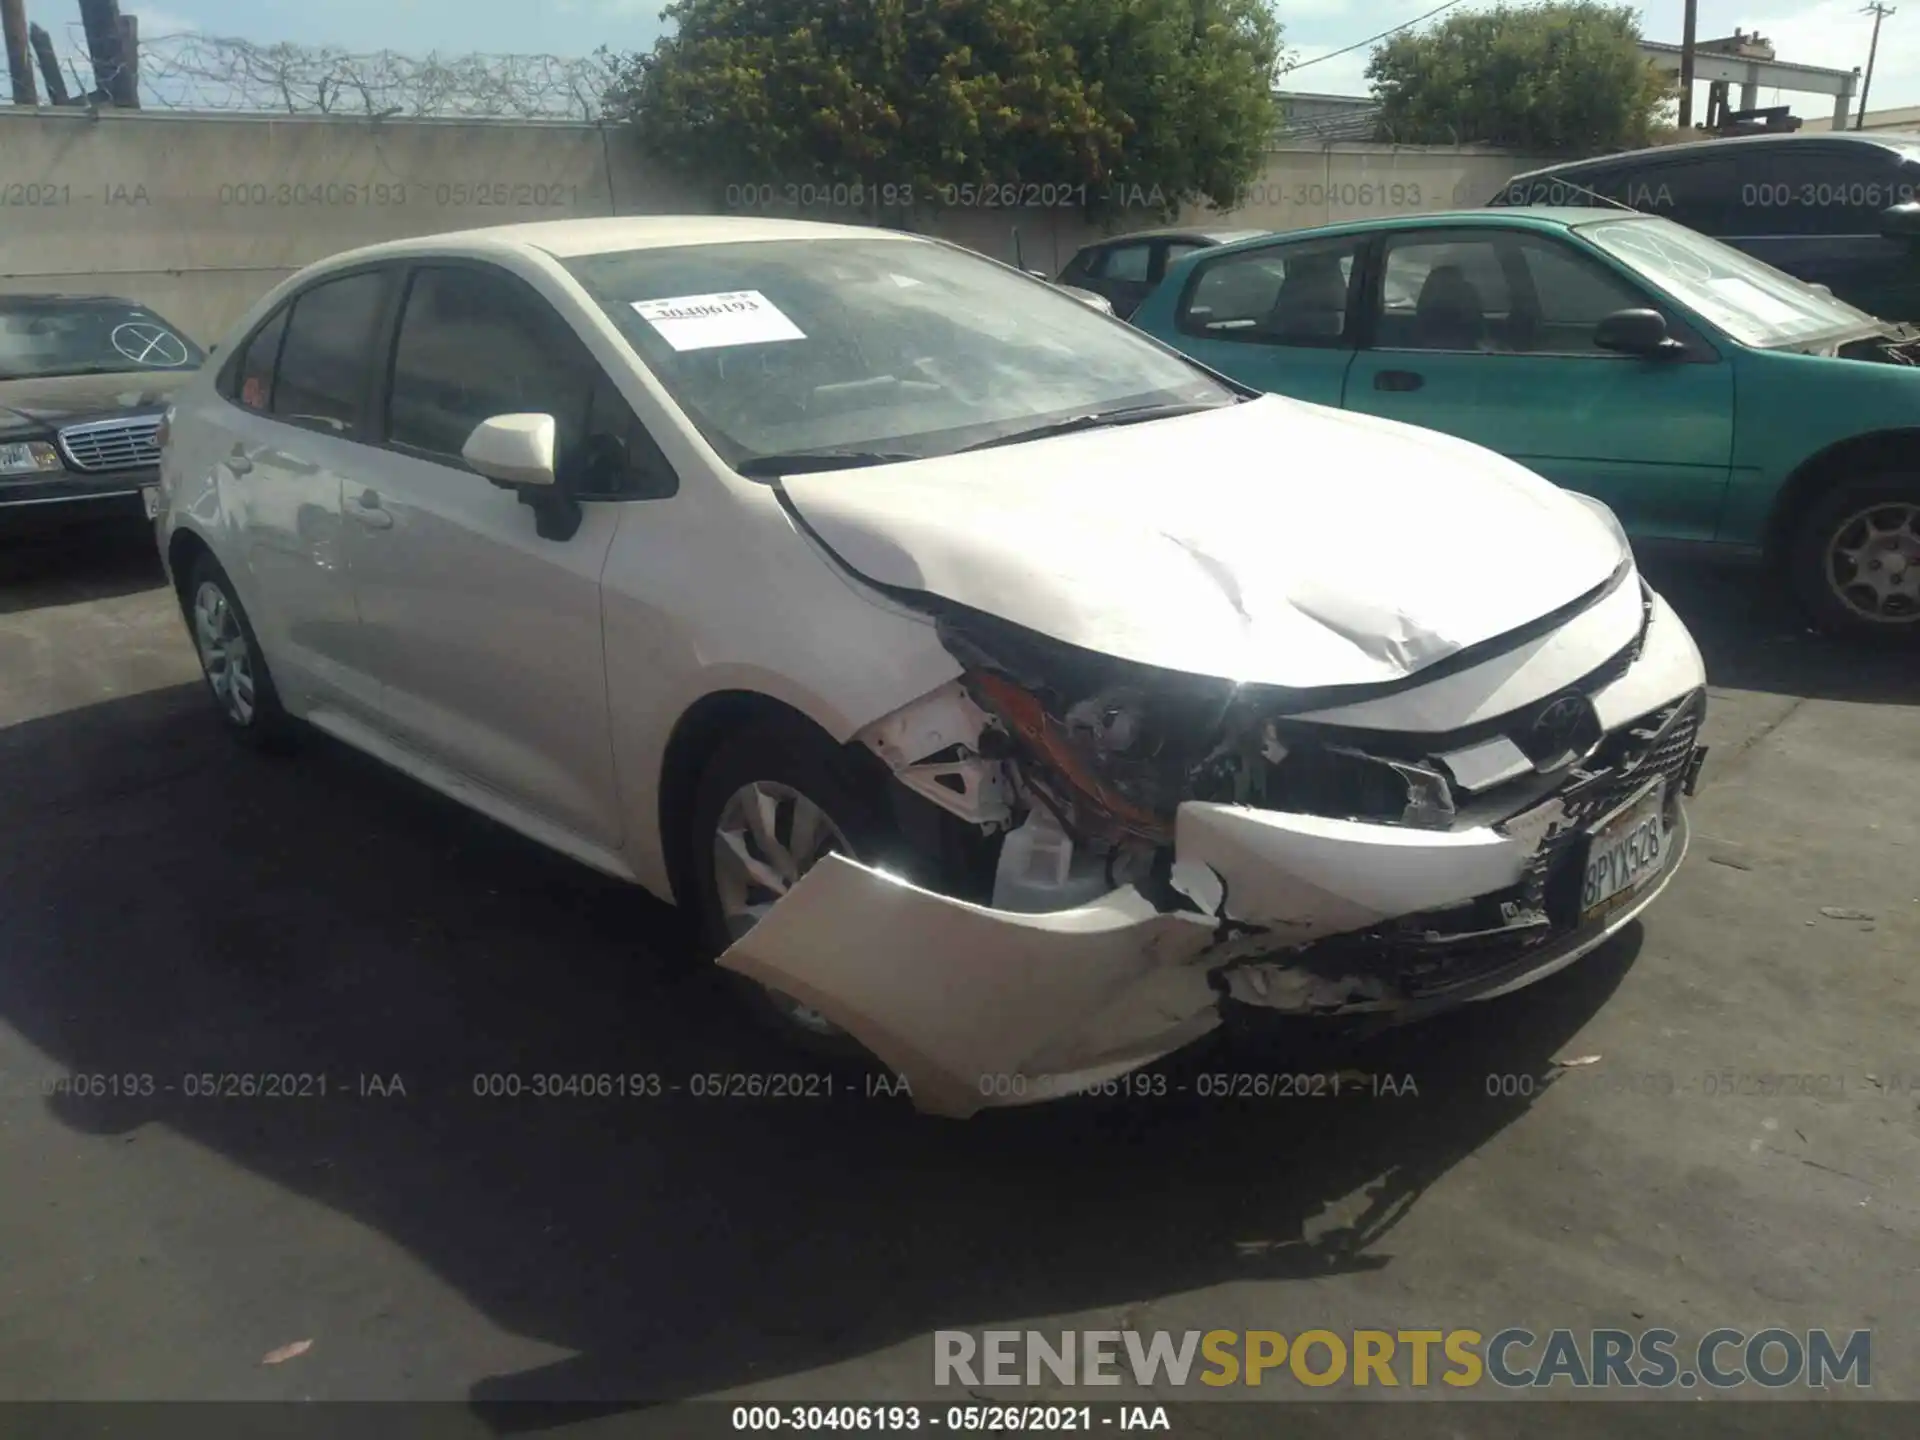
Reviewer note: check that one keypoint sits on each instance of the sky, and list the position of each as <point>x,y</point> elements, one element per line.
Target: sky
<point>1829,33</point>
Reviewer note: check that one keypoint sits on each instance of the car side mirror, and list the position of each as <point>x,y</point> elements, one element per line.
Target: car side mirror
<point>512,450</point>
<point>1636,332</point>
<point>516,452</point>
<point>1901,221</point>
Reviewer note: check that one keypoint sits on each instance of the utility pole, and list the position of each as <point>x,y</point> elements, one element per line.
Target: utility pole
<point>1879,13</point>
<point>13,21</point>
<point>1688,29</point>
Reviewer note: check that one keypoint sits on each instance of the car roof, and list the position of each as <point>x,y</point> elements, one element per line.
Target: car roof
<point>1178,232</point>
<point>568,238</point>
<point>1512,217</point>
<point>1882,139</point>
<point>42,297</point>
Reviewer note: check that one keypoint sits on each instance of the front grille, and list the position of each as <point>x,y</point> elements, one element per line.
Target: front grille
<point>129,444</point>
<point>1428,954</point>
<point>1660,744</point>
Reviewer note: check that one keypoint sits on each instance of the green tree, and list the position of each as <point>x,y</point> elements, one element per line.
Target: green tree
<point>1162,101</point>
<point>1552,78</point>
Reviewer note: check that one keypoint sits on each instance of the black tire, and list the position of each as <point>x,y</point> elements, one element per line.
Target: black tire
<point>263,724</point>
<point>1811,565</point>
<point>796,757</point>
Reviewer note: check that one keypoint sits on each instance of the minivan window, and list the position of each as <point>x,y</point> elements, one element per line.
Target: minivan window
<point>1821,190</point>
<point>326,359</point>
<point>476,342</point>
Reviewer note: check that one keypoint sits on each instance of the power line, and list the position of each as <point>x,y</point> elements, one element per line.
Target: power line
<point>1371,39</point>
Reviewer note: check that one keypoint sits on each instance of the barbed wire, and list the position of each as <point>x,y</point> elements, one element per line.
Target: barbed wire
<point>191,71</point>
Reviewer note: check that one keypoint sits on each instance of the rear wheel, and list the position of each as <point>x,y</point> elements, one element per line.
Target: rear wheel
<point>1856,558</point>
<point>775,800</point>
<point>230,659</point>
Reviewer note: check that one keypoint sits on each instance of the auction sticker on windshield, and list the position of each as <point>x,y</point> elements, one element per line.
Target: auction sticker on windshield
<point>706,322</point>
<point>1626,852</point>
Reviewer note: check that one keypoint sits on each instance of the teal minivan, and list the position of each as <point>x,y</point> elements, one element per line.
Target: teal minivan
<point>1708,398</point>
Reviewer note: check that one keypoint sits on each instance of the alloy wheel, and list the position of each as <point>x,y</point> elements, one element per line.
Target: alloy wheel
<point>225,655</point>
<point>768,836</point>
<point>1873,562</point>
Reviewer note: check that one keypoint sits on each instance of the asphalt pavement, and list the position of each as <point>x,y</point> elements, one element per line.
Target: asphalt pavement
<point>1737,1147</point>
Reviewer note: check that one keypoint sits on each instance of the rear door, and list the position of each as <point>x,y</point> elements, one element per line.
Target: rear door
<point>1813,210</point>
<point>1487,334</point>
<point>298,413</point>
<point>1281,317</point>
<point>486,636</point>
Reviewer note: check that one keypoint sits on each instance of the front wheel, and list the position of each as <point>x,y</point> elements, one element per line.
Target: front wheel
<point>774,801</point>
<point>1856,558</point>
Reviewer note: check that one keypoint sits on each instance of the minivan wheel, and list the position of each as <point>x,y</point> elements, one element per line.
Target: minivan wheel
<point>1856,558</point>
<point>774,801</point>
<point>230,659</point>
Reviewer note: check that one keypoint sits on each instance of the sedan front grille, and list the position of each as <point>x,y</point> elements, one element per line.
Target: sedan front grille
<point>125,444</point>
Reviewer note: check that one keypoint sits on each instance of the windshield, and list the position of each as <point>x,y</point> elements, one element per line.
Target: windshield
<point>873,349</point>
<point>44,337</point>
<point>1753,302</point>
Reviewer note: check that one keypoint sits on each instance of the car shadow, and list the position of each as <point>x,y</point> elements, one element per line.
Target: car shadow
<point>1752,637</point>
<point>322,917</point>
<point>75,563</point>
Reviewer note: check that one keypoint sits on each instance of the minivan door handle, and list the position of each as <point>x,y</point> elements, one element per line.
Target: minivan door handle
<point>239,462</point>
<point>1398,380</point>
<point>369,512</point>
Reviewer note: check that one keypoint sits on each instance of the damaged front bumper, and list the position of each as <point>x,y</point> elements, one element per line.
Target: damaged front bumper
<point>977,1007</point>
<point>1264,908</point>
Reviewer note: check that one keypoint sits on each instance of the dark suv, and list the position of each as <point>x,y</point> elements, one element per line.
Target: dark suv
<point>84,382</point>
<point>1840,210</point>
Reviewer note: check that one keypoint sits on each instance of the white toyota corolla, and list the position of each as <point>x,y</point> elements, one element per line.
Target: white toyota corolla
<point>1004,693</point>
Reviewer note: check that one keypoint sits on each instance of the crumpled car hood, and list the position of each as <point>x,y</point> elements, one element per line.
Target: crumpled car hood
<point>1273,542</point>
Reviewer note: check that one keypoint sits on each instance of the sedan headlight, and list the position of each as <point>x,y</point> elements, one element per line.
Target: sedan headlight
<point>29,457</point>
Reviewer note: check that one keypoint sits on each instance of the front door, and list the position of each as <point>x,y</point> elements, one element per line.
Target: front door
<point>1277,318</point>
<point>486,636</point>
<point>1488,335</point>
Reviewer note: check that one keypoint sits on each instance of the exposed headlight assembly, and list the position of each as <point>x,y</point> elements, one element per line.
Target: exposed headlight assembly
<point>28,457</point>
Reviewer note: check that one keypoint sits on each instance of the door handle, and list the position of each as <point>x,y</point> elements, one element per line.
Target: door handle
<point>1398,380</point>
<point>368,511</point>
<point>239,462</point>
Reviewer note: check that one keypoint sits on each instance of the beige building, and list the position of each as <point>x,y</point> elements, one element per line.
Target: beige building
<point>1905,117</point>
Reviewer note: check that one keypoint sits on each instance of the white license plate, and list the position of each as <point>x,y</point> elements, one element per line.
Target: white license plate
<point>150,497</point>
<point>1626,852</point>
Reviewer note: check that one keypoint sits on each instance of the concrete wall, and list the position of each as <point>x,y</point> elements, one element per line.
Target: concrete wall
<point>197,215</point>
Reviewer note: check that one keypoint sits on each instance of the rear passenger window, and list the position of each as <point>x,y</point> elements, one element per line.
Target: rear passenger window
<point>1127,262</point>
<point>326,358</point>
<point>252,382</point>
<point>1283,295</point>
